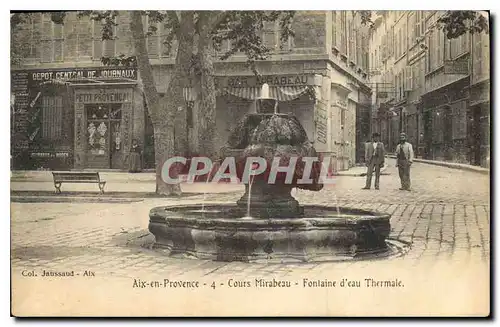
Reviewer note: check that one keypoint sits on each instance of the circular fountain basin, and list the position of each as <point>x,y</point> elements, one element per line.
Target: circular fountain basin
<point>223,232</point>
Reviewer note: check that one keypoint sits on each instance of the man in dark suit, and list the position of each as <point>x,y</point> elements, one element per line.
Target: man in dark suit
<point>374,159</point>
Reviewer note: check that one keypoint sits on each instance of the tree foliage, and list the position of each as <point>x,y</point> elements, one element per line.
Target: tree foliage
<point>458,22</point>
<point>242,28</point>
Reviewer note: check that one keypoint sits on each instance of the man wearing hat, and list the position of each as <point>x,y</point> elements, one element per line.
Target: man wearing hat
<point>404,153</point>
<point>374,159</point>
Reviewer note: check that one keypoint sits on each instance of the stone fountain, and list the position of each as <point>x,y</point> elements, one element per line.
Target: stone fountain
<point>267,223</point>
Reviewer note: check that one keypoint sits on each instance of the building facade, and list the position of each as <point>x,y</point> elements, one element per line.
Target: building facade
<point>71,112</point>
<point>434,89</point>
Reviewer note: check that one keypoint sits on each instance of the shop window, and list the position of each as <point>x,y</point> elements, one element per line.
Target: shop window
<point>52,110</point>
<point>100,119</point>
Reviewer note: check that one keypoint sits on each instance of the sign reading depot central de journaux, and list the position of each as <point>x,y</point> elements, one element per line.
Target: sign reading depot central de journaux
<point>83,73</point>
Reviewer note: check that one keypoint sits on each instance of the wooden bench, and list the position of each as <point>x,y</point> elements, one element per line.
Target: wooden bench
<point>77,177</point>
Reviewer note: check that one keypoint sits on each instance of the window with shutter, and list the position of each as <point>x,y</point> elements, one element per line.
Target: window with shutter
<point>124,41</point>
<point>338,28</point>
<point>153,39</point>
<point>412,25</point>
<point>405,38</point>
<point>334,28</point>
<point>359,46</point>
<point>485,58</point>
<point>58,30</point>
<point>46,43</point>
<point>383,47</point>
<point>34,27</point>
<point>416,25</point>
<point>52,118</point>
<point>431,52</point>
<point>414,76</point>
<point>481,69</point>
<point>309,28</point>
<point>97,42</point>
<point>343,33</point>
<point>351,41</point>
<point>439,48</point>
<point>397,87</point>
<point>409,78</point>
<point>109,48</point>
<point>268,35</point>
<point>71,37</point>
<point>393,41</point>
<point>167,49</point>
<point>399,44</point>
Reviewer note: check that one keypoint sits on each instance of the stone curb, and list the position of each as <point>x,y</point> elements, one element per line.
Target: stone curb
<point>453,165</point>
<point>67,199</point>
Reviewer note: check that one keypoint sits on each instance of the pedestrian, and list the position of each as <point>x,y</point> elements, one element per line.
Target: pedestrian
<point>135,158</point>
<point>374,160</point>
<point>404,153</point>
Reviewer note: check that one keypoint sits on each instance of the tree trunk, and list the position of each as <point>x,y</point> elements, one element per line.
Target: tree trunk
<point>206,117</point>
<point>175,96</point>
<point>161,117</point>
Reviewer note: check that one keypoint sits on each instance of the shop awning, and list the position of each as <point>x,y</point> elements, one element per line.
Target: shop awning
<point>282,93</point>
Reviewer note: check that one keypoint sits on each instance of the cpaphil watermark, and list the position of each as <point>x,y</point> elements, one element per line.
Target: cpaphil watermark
<point>298,170</point>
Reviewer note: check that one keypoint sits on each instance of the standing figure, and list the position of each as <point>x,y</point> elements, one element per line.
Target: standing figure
<point>404,153</point>
<point>374,159</point>
<point>135,158</point>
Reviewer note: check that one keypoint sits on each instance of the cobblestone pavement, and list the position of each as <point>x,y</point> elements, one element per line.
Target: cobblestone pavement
<point>444,217</point>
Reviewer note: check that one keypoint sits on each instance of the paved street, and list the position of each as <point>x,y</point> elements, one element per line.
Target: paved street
<point>444,220</point>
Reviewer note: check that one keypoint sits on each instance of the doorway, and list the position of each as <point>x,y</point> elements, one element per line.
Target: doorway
<point>474,126</point>
<point>104,146</point>
<point>427,139</point>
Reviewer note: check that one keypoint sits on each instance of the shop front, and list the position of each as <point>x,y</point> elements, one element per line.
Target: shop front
<point>104,125</point>
<point>446,123</point>
<point>71,118</point>
<point>479,124</point>
<point>42,122</point>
